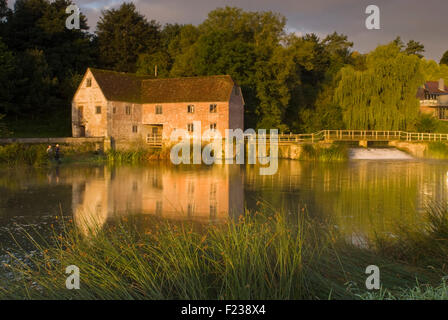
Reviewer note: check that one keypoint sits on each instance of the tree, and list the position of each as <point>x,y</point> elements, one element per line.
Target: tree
<point>147,64</point>
<point>123,35</point>
<point>3,128</point>
<point>444,59</point>
<point>415,47</point>
<point>412,47</point>
<point>7,83</point>
<point>383,97</point>
<point>4,14</point>
<point>433,71</point>
<point>47,55</point>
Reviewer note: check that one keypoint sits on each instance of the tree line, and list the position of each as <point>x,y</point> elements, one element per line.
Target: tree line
<point>290,82</point>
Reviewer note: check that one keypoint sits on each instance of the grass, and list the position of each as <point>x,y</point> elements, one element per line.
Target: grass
<point>437,150</point>
<point>422,244</point>
<point>139,155</point>
<point>40,127</point>
<point>20,154</point>
<point>315,152</point>
<point>267,255</point>
<point>419,292</point>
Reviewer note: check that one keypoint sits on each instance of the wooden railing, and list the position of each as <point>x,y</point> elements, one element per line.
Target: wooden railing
<point>357,135</point>
<point>337,135</point>
<point>154,140</point>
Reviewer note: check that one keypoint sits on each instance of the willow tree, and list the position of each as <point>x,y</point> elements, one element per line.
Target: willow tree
<point>434,71</point>
<point>382,97</point>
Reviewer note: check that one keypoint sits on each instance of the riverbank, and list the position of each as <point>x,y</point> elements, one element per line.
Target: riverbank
<point>15,154</point>
<point>268,255</point>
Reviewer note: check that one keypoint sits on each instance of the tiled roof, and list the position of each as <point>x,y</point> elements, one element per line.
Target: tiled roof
<point>118,86</point>
<point>433,87</point>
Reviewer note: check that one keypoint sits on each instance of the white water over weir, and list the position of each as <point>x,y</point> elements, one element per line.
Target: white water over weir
<point>378,154</point>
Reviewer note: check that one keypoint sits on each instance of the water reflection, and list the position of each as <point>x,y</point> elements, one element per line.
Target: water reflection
<point>360,197</point>
<point>205,194</point>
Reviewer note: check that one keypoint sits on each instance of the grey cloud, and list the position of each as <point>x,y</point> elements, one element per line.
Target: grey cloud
<point>423,21</point>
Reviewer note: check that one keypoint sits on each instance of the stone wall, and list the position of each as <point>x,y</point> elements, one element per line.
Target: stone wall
<point>415,149</point>
<point>176,116</point>
<point>91,144</point>
<point>84,113</point>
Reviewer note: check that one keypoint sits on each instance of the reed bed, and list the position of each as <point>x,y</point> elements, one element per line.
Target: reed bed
<point>437,150</point>
<point>267,255</point>
<point>314,152</point>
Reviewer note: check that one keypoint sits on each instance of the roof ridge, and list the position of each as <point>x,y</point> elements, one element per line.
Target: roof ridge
<point>146,76</point>
<point>192,77</point>
<point>120,72</point>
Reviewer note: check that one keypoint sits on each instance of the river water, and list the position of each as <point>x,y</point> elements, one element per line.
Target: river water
<point>358,196</point>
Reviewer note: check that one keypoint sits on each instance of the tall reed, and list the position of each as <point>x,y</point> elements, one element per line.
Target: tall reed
<point>260,256</point>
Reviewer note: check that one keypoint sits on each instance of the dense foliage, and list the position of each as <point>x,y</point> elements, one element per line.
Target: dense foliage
<point>290,82</point>
<point>382,97</point>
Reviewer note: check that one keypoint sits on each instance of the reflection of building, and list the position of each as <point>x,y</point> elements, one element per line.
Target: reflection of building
<point>210,194</point>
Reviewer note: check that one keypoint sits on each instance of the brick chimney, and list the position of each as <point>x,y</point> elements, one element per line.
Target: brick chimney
<point>441,84</point>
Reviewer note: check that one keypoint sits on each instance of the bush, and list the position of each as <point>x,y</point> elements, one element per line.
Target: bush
<point>426,123</point>
<point>21,154</point>
<point>314,152</point>
<point>437,150</point>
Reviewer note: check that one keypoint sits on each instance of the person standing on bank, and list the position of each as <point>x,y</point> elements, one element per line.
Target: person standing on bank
<point>50,152</point>
<point>57,154</point>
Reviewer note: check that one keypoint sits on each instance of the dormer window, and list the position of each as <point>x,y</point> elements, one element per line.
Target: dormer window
<point>88,82</point>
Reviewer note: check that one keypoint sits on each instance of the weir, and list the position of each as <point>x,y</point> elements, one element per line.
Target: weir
<point>378,154</point>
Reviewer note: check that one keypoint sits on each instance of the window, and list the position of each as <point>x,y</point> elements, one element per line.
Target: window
<point>443,113</point>
<point>135,129</point>
<point>128,110</point>
<point>213,210</point>
<point>98,109</point>
<point>213,191</point>
<point>88,82</point>
<point>190,210</point>
<point>190,108</point>
<point>159,207</point>
<point>212,126</point>
<point>80,112</point>
<point>213,108</point>
<point>190,127</point>
<point>114,109</point>
<point>158,109</point>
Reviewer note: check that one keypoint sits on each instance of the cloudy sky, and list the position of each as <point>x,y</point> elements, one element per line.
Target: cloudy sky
<point>420,20</point>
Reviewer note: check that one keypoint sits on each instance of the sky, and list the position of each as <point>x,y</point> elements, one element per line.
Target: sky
<point>421,20</point>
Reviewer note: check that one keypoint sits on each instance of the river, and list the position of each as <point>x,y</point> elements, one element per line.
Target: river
<point>358,196</point>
